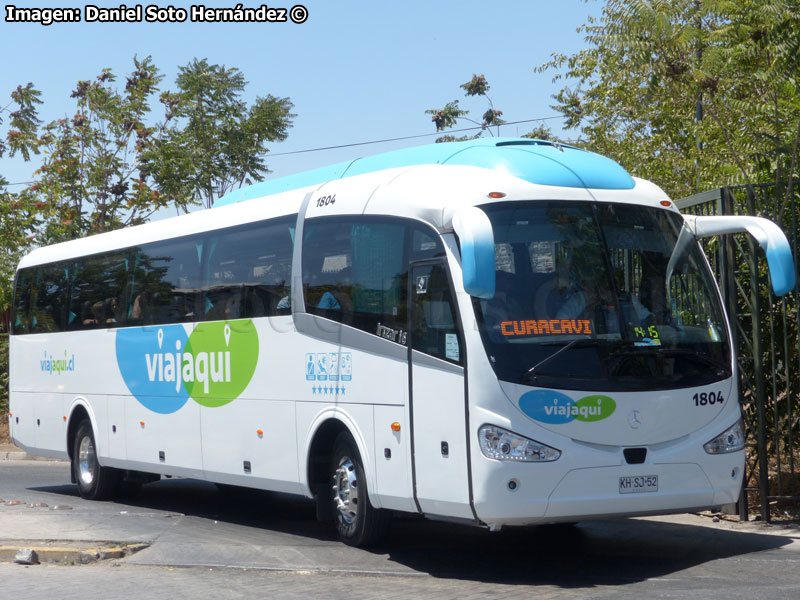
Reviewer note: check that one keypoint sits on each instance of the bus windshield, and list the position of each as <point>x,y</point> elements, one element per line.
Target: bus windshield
<point>600,296</point>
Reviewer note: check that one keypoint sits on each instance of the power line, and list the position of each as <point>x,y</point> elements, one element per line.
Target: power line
<point>407,137</point>
<point>382,141</point>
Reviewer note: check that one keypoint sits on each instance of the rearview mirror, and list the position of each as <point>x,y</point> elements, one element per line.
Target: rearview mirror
<point>768,235</point>
<point>475,234</point>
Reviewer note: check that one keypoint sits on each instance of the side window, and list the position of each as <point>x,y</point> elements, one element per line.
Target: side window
<point>166,282</point>
<point>434,327</point>
<point>425,243</point>
<point>328,269</point>
<point>48,293</point>
<point>355,270</point>
<point>20,320</point>
<point>379,276</point>
<point>249,270</point>
<point>99,290</point>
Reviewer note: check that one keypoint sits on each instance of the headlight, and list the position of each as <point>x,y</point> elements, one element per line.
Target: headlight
<point>501,444</point>
<point>730,440</point>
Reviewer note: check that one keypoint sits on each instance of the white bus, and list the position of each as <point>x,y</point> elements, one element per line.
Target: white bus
<point>497,332</point>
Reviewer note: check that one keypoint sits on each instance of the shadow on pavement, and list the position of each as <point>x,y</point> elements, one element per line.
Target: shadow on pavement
<point>603,552</point>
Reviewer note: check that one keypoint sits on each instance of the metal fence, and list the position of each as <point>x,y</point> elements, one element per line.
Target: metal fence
<point>767,342</point>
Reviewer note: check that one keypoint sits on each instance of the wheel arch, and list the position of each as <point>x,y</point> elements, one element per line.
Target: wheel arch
<point>79,411</point>
<point>320,441</point>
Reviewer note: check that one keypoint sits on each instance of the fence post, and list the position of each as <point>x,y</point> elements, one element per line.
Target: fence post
<point>758,367</point>
<point>727,276</point>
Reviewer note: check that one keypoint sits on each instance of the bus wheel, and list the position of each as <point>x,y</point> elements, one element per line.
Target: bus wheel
<point>357,521</point>
<point>94,481</point>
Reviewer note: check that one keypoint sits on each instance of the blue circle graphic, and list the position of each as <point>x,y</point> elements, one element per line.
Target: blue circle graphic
<point>547,406</point>
<point>150,361</point>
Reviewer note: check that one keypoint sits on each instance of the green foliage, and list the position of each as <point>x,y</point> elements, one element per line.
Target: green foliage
<point>21,136</point>
<point>213,141</point>
<point>3,374</point>
<point>691,94</point>
<point>446,117</point>
<point>542,132</point>
<point>18,212</point>
<point>477,86</point>
<point>92,179</point>
<point>451,114</point>
<point>114,162</point>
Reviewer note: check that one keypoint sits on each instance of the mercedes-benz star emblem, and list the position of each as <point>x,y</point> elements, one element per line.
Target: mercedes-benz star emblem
<point>635,419</point>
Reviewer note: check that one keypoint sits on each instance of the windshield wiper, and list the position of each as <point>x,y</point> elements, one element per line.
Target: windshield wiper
<point>579,342</point>
<point>550,357</point>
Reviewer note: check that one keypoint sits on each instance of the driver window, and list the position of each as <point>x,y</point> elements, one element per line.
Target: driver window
<point>434,328</point>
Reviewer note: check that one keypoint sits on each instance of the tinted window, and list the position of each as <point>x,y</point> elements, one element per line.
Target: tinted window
<point>22,296</point>
<point>48,291</point>
<point>355,270</point>
<point>600,296</point>
<point>166,282</point>
<point>434,328</point>
<point>97,296</point>
<point>249,269</point>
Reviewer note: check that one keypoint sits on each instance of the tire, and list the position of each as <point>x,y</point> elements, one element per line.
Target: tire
<point>357,521</point>
<point>95,482</point>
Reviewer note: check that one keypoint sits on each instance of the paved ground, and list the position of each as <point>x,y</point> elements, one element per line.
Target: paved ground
<point>206,544</point>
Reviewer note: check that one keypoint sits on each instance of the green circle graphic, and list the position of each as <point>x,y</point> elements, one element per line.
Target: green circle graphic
<point>225,355</point>
<point>594,408</point>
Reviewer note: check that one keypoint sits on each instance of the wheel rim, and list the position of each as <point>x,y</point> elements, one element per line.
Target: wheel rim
<point>345,490</point>
<point>87,461</point>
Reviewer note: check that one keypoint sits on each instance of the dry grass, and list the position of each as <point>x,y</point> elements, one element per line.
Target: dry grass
<point>4,439</point>
<point>780,510</point>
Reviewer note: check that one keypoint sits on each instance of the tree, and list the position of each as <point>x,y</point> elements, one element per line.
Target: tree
<point>214,142</point>
<point>692,94</point>
<point>18,212</point>
<point>114,163</point>
<point>447,117</point>
<point>451,113</point>
<point>17,216</point>
<point>93,178</point>
<point>754,56</point>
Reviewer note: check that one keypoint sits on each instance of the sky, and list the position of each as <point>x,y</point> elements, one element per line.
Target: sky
<point>356,70</point>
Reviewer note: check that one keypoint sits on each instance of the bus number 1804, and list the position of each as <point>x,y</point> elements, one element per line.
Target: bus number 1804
<point>708,398</point>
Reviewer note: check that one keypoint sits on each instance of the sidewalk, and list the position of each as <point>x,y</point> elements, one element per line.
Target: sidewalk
<point>11,452</point>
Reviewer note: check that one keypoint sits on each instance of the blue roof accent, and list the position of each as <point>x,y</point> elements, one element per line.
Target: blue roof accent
<point>535,161</point>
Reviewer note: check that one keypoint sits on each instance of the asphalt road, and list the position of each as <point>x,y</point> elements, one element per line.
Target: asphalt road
<point>208,544</point>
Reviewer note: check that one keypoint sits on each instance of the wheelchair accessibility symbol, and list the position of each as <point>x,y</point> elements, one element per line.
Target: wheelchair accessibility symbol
<point>422,284</point>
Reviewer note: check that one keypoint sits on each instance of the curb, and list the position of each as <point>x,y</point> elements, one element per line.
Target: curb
<point>70,554</point>
<point>13,455</point>
<point>20,455</point>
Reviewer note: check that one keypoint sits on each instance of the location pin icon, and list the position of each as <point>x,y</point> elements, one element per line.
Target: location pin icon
<point>227,332</point>
<point>160,338</point>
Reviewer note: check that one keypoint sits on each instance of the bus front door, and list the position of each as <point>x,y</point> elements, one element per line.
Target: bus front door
<point>437,394</point>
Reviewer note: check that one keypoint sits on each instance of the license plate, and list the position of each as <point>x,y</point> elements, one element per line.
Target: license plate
<point>638,484</point>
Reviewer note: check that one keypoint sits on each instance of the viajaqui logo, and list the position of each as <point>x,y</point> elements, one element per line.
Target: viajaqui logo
<point>163,366</point>
<point>555,408</point>
<point>58,365</point>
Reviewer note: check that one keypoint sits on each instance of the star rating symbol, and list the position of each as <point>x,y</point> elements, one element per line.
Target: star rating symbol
<point>330,389</point>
